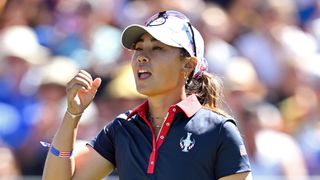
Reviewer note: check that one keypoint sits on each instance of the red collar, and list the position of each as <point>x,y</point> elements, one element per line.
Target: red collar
<point>189,106</point>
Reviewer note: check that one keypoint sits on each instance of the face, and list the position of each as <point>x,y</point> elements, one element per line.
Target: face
<point>158,68</point>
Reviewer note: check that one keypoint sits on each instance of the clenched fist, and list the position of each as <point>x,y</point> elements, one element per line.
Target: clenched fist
<point>80,91</point>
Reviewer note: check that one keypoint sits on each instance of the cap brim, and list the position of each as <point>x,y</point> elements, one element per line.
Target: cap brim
<point>133,32</point>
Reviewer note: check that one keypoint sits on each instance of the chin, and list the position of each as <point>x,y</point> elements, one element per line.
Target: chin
<point>147,91</point>
<point>143,90</point>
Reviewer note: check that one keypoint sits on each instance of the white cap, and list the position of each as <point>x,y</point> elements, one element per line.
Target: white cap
<point>21,41</point>
<point>60,70</point>
<point>171,28</point>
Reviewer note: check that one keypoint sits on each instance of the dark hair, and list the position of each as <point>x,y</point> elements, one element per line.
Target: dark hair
<point>207,88</point>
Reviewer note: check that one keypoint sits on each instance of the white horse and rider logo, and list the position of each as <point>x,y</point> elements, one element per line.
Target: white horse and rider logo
<point>186,144</point>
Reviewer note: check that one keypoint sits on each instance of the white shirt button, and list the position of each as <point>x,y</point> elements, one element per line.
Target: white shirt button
<point>161,137</point>
<point>152,162</point>
<point>167,124</point>
<point>174,109</point>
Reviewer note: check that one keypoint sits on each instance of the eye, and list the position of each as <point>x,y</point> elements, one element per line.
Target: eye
<point>157,48</point>
<point>137,48</point>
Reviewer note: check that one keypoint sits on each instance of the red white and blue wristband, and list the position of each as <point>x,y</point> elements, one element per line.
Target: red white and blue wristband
<point>56,152</point>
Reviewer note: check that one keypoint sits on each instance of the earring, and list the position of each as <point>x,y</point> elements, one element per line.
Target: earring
<point>186,78</point>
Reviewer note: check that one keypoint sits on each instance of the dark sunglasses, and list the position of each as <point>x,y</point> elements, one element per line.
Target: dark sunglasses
<point>161,18</point>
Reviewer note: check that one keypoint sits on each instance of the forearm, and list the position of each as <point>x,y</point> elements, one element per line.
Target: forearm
<point>64,140</point>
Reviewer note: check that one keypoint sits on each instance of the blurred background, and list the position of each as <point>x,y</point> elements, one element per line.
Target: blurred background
<point>265,51</point>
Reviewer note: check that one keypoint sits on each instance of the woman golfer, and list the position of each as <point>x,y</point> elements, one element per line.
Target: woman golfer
<point>178,133</point>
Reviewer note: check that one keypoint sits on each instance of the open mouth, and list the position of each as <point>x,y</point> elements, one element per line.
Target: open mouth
<point>144,74</point>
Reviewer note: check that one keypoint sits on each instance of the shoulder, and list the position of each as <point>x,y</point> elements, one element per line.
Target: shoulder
<point>110,130</point>
<point>123,116</point>
<point>207,120</point>
<point>119,120</point>
<point>215,117</point>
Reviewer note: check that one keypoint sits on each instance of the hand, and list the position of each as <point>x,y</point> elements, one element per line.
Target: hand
<point>80,91</point>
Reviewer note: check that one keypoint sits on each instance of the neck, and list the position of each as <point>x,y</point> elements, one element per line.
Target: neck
<point>159,105</point>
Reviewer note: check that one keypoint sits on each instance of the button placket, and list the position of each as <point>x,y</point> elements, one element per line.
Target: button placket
<point>161,135</point>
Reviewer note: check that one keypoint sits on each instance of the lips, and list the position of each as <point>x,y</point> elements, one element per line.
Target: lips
<point>143,74</point>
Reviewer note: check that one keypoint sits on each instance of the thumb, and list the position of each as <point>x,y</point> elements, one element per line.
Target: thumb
<point>96,83</point>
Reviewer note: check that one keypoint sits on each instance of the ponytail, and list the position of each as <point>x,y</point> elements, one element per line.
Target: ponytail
<point>208,89</point>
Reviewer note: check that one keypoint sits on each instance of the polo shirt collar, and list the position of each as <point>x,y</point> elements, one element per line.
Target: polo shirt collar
<point>189,106</point>
<point>141,110</point>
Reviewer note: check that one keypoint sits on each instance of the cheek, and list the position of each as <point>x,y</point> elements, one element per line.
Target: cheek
<point>170,73</point>
<point>133,62</point>
<point>133,57</point>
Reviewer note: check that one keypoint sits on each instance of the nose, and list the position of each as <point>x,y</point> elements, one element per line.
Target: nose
<point>142,59</point>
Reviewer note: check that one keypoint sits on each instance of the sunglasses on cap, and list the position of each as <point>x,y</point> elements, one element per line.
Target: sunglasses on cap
<point>161,18</point>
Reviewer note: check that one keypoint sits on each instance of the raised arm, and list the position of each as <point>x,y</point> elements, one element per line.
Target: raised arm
<point>87,162</point>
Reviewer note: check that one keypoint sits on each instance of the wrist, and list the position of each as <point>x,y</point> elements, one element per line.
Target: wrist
<point>55,151</point>
<point>73,115</point>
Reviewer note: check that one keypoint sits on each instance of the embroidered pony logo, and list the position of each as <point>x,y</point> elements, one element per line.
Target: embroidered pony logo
<point>186,144</point>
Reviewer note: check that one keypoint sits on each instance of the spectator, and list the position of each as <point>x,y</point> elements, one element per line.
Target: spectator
<point>17,83</point>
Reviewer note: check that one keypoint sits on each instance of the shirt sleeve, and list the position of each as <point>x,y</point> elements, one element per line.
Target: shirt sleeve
<point>103,143</point>
<point>232,157</point>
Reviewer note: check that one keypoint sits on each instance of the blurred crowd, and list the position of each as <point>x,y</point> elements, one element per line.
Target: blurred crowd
<point>266,52</point>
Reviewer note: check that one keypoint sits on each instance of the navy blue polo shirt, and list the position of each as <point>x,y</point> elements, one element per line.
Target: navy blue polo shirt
<point>193,143</point>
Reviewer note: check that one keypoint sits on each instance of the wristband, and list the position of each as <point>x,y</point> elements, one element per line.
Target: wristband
<point>55,151</point>
<point>73,115</point>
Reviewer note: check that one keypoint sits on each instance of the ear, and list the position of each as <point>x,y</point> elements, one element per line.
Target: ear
<point>189,64</point>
